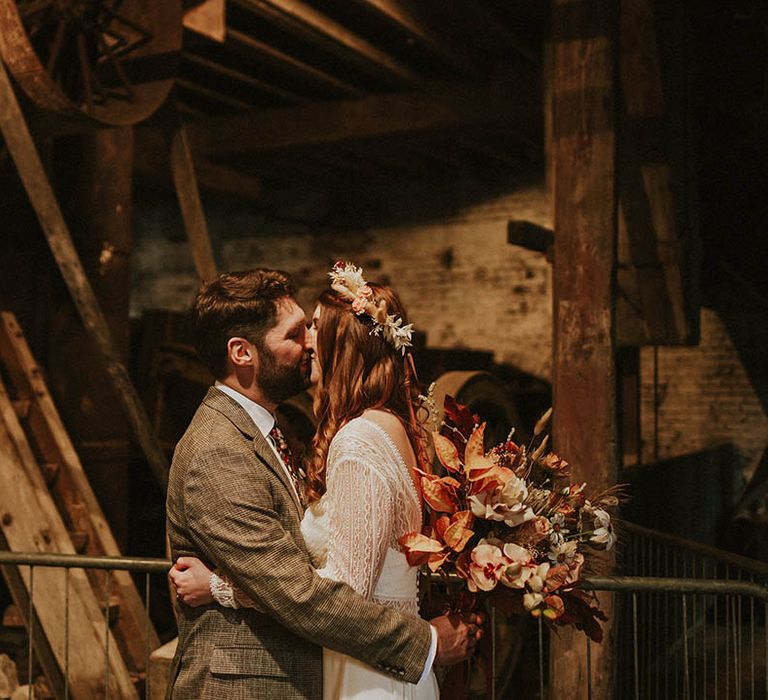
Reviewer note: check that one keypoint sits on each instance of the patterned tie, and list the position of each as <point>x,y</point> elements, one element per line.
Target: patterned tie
<point>297,473</point>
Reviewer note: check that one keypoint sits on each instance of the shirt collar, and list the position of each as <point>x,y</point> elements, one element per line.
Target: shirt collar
<point>263,419</point>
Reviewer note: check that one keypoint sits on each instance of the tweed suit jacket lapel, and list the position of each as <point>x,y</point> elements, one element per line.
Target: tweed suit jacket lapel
<point>232,410</point>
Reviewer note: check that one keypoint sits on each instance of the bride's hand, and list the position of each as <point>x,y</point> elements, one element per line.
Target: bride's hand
<point>457,636</point>
<point>192,581</point>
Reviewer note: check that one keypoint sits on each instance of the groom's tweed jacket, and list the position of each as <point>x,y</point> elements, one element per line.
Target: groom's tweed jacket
<point>229,503</point>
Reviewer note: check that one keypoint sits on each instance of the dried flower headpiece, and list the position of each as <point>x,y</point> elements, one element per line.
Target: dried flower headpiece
<point>347,280</point>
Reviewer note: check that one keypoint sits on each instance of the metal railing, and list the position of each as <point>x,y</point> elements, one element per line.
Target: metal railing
<point>67,562</point>
<point>691,619</point>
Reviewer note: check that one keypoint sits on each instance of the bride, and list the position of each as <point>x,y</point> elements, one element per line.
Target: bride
<point>361,484</point>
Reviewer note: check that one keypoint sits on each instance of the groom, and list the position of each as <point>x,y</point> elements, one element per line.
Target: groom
<point>233,502</point>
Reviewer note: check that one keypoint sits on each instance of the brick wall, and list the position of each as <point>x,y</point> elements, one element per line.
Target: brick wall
<point>467,288</point>
<point>460,280</point>
<point>705,400</point>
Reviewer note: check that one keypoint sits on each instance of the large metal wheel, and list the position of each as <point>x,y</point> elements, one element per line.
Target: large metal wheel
<point>488,397</point>
<point>109,61</point>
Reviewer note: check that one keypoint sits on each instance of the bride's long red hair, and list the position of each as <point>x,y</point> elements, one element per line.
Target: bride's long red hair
<point>360,371</point>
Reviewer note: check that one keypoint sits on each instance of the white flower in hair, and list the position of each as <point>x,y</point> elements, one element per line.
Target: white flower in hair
<point>347,280</point>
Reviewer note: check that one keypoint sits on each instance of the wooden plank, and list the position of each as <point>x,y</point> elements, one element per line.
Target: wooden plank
<point>40,193</point>
<point>72,491</point>
<point>76,635</point>
<point>512,102</point>
<point>405,17</point>
<point>585,221</point>
<point>313,26</point>
<point>183,171</point>
<point>657,267</point>
<point>264,51</point>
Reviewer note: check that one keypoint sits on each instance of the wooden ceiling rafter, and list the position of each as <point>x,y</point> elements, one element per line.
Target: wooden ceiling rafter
<point>251,46</point>
<point>213,96</point>
<point>406,19</point>
<point>243,78</point>
<point>308,24</point>
<point>444,107</point>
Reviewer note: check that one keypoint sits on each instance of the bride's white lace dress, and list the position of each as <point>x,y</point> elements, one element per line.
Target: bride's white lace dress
<point>352,534</point>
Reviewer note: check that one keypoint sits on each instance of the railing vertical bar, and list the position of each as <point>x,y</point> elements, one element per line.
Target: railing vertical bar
<point>106,633</point>
<point>694,637</point>
<point>541,660</point>
<point>493,652</point>
<point>704,627</point>
<point>716,608</point>
<point>686,667</point>
<point>589,669</point>
<point>676,610</point>
<point>659,600</point>
<point>30,628</point>
<point>666,626</point>
<point>147,645</point>
<point>636,665</point>
<point>66,634</point>
<point>736,674</point>
<point>752,642</point>
<point>726,616</point>
<point>765,644</point>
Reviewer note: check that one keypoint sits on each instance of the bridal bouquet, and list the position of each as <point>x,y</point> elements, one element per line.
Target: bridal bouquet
<point>510,523</point>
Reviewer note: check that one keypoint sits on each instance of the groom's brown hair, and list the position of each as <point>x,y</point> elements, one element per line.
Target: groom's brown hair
<point>236,304</point>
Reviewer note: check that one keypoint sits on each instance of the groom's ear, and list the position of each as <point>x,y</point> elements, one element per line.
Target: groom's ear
<point>241,352</point>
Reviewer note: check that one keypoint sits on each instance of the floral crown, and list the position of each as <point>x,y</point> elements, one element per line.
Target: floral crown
<point>347,280</point>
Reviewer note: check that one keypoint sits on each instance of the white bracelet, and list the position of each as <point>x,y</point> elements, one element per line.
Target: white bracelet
<point>222,592</point>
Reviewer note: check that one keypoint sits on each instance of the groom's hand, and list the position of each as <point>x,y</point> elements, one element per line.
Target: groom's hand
<point>457,636</point>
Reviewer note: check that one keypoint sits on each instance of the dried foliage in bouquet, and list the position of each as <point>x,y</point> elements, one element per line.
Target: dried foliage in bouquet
<point>510,523</point>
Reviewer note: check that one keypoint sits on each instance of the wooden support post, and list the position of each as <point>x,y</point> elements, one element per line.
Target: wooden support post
<point>33,176</point>
<point>585,216</point>
<point>183,171</point>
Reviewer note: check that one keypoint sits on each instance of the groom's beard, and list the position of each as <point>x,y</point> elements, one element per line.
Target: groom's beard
<point>278,381</point>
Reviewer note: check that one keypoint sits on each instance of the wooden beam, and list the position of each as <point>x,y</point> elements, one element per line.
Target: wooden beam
<point>151,160</point>
<point>585,221</point>
<point>318,29</point>
<point>217,69</point>
<point>245,44</point>
<point>404,17</point>
<point>33,176</point>
<point>513,103</point>
<point>657,233</point>
<point>531,236</point>
<point>31,523</point>
<point>71,490</point>
<point>214,97</point>
<point>183,171</point>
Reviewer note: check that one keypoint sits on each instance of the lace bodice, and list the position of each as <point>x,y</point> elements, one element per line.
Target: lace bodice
<point>369,504</point>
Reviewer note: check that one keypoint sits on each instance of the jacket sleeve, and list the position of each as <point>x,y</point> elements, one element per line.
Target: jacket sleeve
<point>230,513</point>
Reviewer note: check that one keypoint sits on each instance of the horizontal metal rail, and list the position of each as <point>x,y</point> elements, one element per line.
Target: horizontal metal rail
<point>79,561</point>
<point>704,550</point>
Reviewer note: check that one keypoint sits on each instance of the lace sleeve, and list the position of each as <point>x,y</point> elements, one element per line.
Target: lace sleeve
<point>360,520</point>
<point>227,594</point>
